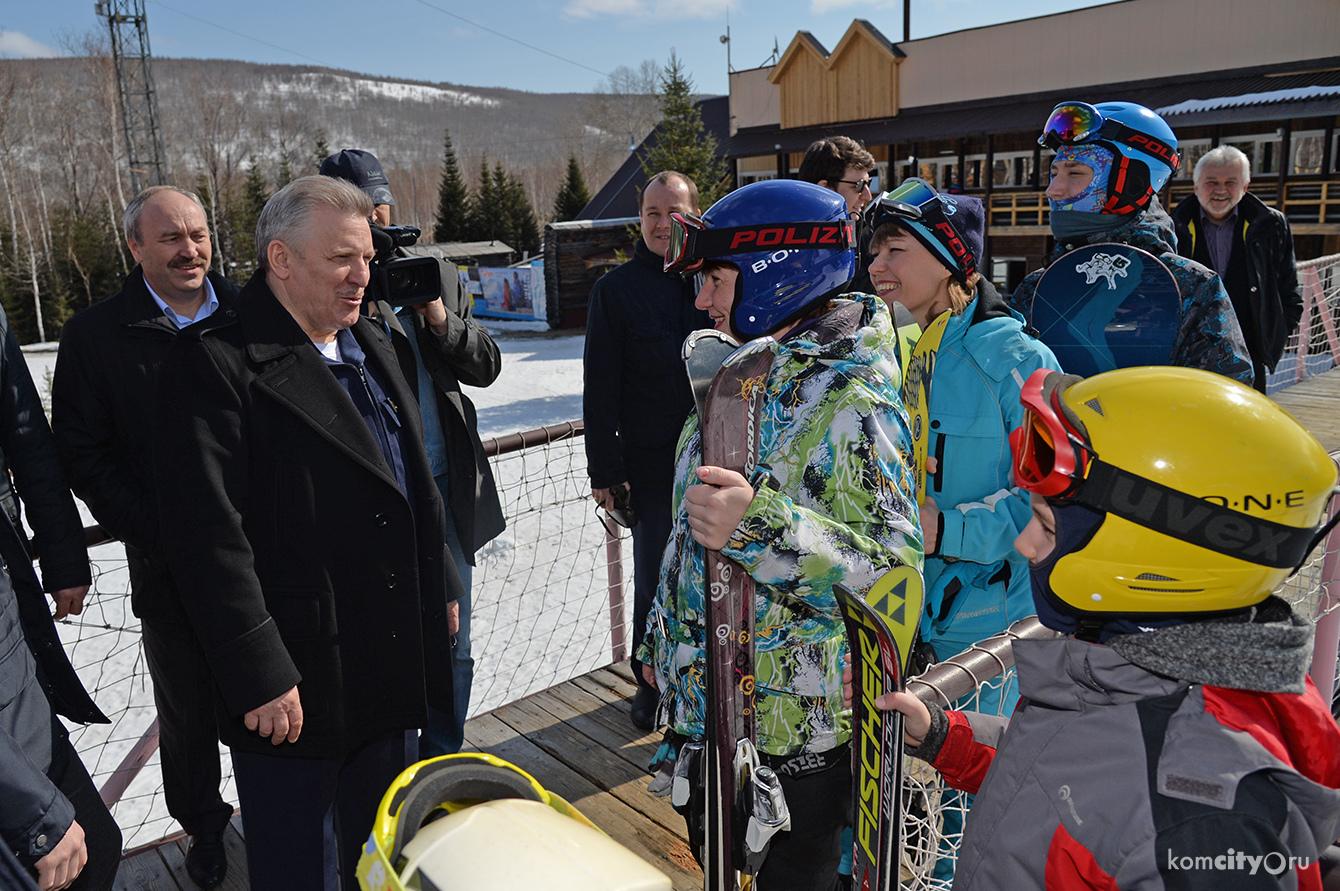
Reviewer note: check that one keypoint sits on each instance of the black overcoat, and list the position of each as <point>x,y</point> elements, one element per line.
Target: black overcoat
<point>300,559</point>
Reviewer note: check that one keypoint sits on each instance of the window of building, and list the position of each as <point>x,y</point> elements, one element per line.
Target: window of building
<point>1191,152</point>
<point>1012,169</point>
<point>1306,148</point>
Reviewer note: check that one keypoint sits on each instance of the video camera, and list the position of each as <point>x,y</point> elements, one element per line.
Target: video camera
<point>402,281</point>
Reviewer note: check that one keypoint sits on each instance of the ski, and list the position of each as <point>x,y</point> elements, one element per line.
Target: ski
<point>880,630</point>
<point>744,804</point>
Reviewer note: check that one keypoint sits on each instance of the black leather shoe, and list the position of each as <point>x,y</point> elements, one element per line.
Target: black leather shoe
<point>645,701</point>
<point>206,859</point>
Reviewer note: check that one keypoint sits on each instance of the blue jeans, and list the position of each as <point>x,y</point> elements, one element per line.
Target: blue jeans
<point>445,733</point>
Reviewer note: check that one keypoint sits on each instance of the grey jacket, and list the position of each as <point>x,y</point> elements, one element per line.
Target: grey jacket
<point>1112,775</point>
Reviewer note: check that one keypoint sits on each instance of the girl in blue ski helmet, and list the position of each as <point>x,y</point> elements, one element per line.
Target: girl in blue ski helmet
<point>791,242</point>
<point>829,501</point>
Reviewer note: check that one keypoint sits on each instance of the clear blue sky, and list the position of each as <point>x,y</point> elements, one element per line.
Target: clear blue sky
<point>539,45</point>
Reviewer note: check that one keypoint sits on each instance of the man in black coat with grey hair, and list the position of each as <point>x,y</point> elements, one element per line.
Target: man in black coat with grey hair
<point>296,498</point>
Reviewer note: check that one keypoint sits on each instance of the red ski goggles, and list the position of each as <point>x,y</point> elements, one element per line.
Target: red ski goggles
<point>915,201</point>
<point>1078,123</point>
<point>692,241</point>
<point>1052,453</point>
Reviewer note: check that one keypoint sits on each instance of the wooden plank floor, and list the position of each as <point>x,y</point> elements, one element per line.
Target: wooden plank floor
<point>577,740</point>
<point>1316,404</point>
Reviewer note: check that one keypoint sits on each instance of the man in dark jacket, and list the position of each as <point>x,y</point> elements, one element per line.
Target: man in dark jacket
<point>51,816</point>
<point>301,521</point>
<point>102,401</point>
<point>1250,245</point>
<point>636,394</point>
<point>440,346</point>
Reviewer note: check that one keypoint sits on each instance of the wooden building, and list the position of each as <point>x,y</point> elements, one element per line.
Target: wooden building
<point>963,110</point>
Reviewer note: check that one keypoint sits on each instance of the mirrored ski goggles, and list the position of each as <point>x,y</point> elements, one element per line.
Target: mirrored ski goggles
<point>916,202</point>
<point>1051,448</point>
<point>692,241</point>
<point>1078,123</point>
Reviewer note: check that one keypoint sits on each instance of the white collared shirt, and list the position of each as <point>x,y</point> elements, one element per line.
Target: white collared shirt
<point>206,309</point>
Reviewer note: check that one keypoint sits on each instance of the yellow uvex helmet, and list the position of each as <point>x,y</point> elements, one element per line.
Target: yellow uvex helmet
<point>1212,493</point>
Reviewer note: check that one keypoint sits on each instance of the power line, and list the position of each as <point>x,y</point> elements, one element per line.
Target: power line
<point>235,33</point>
<point>511,38</point>
<point>431,6</point>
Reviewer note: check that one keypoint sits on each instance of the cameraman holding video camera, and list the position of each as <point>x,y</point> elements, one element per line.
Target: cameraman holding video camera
<point>439,346</point>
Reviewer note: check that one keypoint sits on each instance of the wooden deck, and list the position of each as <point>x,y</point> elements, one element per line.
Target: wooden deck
<point>1316,404</point>
<point>577,740</point>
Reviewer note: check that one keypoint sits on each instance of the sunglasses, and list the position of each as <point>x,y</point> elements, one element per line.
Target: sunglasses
<point>860,184</point>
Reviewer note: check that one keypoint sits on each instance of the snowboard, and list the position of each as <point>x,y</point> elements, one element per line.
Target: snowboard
<point>1107,306</point>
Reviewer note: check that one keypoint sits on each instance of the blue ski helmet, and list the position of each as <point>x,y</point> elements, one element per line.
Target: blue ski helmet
<point>1144,146</point>
<point>792,241</point>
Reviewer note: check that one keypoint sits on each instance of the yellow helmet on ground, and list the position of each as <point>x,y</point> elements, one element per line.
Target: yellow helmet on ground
<point>1210,494</point>
<point>470,822</point>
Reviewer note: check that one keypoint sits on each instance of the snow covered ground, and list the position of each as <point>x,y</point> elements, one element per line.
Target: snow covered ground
<point>541,380</point>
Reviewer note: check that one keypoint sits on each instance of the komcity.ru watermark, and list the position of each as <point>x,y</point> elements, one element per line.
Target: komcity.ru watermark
<point>1273,863</point>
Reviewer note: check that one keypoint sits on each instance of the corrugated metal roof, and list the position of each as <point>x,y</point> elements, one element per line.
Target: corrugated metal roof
<point>1265,98</point>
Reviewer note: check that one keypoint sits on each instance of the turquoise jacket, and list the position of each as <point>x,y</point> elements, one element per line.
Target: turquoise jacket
<point>976,583</point>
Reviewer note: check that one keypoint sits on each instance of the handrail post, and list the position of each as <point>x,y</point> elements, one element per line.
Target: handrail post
<point>130,766</point>
<point>614,571</point>
<point>1326,643</point>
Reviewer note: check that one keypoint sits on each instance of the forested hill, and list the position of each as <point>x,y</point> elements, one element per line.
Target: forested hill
<point>62,160</point>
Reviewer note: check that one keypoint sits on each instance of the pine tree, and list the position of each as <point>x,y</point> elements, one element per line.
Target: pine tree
<point>285,173</point>
<point>682,143</point>
<point>322,150</point>
<point>523,233</point>
<point>485,210</point>
<point>572,196</point>
<point>255,192</point>
<point>453,199</point>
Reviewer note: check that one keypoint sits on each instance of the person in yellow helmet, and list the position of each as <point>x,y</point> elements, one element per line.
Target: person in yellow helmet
<point>1171,736</point>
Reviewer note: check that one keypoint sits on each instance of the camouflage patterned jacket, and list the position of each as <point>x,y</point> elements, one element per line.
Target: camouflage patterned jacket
<point>833,504</point>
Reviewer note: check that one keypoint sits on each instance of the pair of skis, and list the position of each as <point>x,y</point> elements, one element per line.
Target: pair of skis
<point>744,802</point>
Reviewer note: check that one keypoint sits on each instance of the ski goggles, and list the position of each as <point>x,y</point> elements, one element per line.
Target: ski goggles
<point>1051,449</point>
<point>692,241</point>
<point>1078,123</point>
<point>917,203</point>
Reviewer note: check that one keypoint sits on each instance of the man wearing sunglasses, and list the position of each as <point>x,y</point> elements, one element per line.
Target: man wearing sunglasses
<point>1170,737</point>
<point>1111,160</point>
<point>842,164</point>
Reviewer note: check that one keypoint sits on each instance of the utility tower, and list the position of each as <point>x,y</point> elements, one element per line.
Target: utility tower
<point>135,84</point>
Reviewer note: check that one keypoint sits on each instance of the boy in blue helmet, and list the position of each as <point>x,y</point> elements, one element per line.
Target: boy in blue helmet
<point>1111,159</point>
<point>831,501</point>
